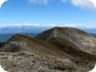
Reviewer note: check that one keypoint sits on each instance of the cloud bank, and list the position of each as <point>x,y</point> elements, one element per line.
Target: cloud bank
<point>27,25</point>
<point>48,25</point>
<point>80,26</point>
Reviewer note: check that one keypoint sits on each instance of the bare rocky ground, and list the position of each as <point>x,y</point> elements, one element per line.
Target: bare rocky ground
<point>29,62</point>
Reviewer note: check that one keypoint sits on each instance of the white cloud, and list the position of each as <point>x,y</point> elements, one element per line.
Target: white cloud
<point>2,1</point>
<point>48,25</point>
<point>82,3</point>
<point>80,26</point>
<point>39,25</point>
<point>27,25</point>
<point>39,1</point>
<point>93,2</point>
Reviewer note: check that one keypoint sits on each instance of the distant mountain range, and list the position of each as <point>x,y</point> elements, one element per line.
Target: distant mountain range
<point>23,29</point>
<point>5,37</point>
<point>32,29</point>
<point>93,34</point>
<point>90,30</point>
<point>8,31</point>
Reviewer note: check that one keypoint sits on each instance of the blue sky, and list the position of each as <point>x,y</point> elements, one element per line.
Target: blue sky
<point>48,12</point>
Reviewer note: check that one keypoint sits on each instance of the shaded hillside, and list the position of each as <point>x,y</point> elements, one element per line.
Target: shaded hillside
<point>70,38</point>
<point>24,43</point>
<point>1,43</point>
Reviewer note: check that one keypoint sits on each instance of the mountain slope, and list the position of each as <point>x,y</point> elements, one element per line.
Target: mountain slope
<point>70,39</point>
<point>57,49</point>
<point>24,43</point>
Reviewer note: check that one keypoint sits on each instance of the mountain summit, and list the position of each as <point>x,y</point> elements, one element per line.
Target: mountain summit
<point>71,38</point>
